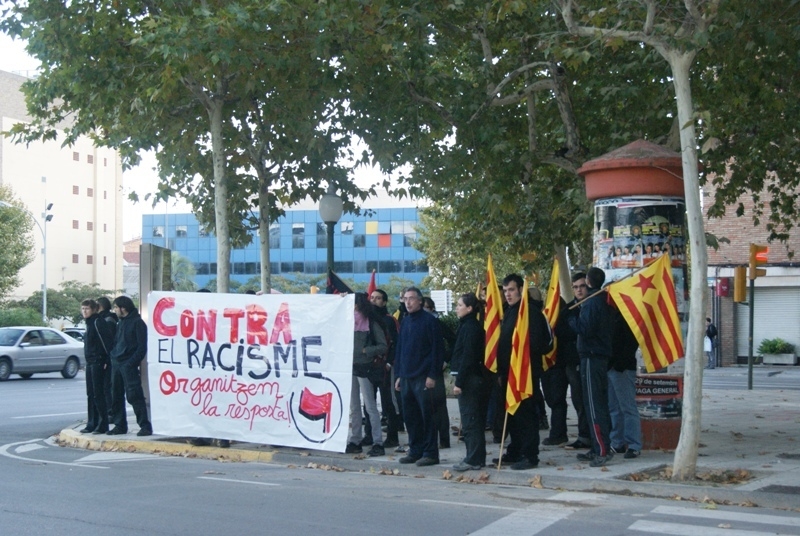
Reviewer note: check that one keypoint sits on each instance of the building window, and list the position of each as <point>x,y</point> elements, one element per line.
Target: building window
<point>388,267</point>
<point>105,162</point>
<point>75,224</point>
<point>359,241</point>
<point>76,190</point>
<point>89,159</point>
<point>182,231</point>
<point>89,192</point>
<point>298,238</point>
<point>76,156</point>
<point>89,226</point>
<point>105,227</point>
<point>89,259</point>
<point>158,231</point>
<point>105,194</point>
<point>75,259</point>
<point>384,241</point>
<point>104,261</point>
<point>347,227</point>
<point>322,235</point>
<point>274,236</point>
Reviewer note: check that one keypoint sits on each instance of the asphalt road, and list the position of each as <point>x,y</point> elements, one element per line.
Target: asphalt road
<point>52,490</point>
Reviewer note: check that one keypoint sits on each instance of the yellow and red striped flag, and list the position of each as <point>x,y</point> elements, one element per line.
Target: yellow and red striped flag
<point>647,302</point>
<point>520,380</point>
<point>492,318</point>
<point>552,308</point>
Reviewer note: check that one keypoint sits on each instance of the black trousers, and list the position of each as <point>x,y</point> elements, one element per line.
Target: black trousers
<point>555,383</point>
<point>472,404</point>
<point>98,386</point>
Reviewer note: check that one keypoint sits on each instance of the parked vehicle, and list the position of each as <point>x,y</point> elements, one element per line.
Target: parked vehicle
<point>76,333</point>
<point>26,350</point>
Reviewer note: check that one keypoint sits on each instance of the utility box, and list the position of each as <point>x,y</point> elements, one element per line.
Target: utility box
<point>659,398</point>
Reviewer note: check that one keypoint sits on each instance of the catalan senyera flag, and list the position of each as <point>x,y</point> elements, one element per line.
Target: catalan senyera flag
<point>493,317</point>
<point>520,380</point>
<point>552,308</point>
<point>647,302</point>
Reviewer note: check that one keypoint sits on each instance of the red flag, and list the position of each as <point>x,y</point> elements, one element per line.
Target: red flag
<point>316,407</point>
<point>372,286</point>
<point>520,380</point>
<point>492,318</point>
<point>336,285</point>
<point>647,302</point>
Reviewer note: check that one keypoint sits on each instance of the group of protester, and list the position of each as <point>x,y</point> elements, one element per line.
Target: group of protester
<point>402,357</point>
<point>114,346</point>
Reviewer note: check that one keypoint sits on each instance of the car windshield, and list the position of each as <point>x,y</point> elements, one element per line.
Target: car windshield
<point>9,336</point>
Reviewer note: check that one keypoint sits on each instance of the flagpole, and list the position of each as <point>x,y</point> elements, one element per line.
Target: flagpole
<point>574,305</point>
<point>502,440</point>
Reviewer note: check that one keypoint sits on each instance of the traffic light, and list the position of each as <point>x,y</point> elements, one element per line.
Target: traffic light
<point>740,284</point>
<point>758,256</point>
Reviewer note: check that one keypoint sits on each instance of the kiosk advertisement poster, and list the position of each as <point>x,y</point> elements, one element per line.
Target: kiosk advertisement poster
<point>263,369</point>
<point>632,232</point>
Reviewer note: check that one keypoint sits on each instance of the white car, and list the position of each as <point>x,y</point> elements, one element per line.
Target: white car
<point>26,350</point>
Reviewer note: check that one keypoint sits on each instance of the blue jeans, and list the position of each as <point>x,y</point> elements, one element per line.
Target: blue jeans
<point>418,411</point>
<point>626,429</point>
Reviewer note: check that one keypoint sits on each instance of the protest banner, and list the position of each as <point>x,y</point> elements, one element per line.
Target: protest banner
<point>273,369</point>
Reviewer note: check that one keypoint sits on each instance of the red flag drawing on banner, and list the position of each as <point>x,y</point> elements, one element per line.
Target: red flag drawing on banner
<point>316,407</point>
<point>647,302</point>
<point>552,308</point>
<point>520,380</point>
<point>492,318</point>
<point>372,286</point>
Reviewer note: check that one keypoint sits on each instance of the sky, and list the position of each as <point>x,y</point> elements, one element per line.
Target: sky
<point>143,179</point>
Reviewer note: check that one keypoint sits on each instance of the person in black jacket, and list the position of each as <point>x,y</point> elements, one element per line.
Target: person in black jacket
<point>471,382</point>
<point>523,425</point>
<point>594,326</point>
<point>96,346</point>
<point>105,314</point>
<point>565,374</point>
<point>394,422</point>
<point>130,349</point>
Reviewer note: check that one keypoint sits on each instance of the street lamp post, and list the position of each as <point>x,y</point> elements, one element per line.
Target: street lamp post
<point>330,210</point>
<point>46,217</point>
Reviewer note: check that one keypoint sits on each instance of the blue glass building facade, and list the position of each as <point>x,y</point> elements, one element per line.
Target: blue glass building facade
<point>381,240</point>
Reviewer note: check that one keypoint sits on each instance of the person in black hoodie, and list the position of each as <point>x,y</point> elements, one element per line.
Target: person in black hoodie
<point>96,346</point>
<point>471,381</point>
<point>130,349</point>
<point>105,314</point>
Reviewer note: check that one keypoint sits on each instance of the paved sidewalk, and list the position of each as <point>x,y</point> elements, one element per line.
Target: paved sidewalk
<point>757,431</point>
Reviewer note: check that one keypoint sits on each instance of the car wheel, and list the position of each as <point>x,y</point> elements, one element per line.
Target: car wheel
<point>5,369</point>
<point>26,375</point>
<point>71,368</point>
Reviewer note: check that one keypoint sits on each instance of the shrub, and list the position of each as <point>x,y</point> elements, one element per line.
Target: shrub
<point>775,346</point>
<point>20,316</point>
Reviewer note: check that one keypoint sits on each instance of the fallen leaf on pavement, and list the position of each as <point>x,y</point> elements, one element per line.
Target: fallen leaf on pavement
<point>447,475</point>
<point>536,482</point>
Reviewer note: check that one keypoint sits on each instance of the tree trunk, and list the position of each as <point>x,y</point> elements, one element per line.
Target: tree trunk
<point>263,230</point>
<point>685,462</point>
<point>214,109</point>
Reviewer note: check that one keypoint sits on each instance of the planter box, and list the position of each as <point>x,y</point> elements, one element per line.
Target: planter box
<point>780,359</point>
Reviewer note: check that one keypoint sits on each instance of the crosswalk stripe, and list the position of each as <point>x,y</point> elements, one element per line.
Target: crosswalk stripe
<point>676,529</point>
<point>727,515</point>
<point>527,522</point>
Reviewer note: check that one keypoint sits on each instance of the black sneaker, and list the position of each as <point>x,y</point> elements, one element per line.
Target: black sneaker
<point>87,430</point>
<point>618,450</point>
<point>523,465</point>
<point>200,442</point>
<point>464,466</point>
<point>145,432</point>
<point>577,445</point>
<point>224,443</point>
<point>600,461</point>
<point>391,443</point>
<point>506,459</point>
<point>425,461</point>
<point>352,448</point>
<point>376,450</point>
<point>632,453</point>
<point>409,459</point>
<point>550,442</point>
<point>586,456</point>
<point>367,441</point>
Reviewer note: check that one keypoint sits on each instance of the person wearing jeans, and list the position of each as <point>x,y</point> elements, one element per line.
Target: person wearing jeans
<point>626,429</point>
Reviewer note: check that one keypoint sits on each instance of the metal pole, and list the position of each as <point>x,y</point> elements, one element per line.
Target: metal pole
<point>750,337</point>
<point>44,258</point>
<point>330,225</point>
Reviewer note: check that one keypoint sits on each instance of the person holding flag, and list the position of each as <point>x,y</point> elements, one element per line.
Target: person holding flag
<point>594,326</point>
<point>521,324</point>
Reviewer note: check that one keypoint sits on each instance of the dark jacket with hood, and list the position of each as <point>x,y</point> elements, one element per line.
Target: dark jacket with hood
<point>131,339</point>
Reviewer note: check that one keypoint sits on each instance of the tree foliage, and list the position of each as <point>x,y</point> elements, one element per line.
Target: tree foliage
<point>65,303</point>
<point>16,240</point>
<point>183,273</point>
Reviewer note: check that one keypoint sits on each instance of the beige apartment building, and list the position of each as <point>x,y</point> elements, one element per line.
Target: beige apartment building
<point>84,185</point>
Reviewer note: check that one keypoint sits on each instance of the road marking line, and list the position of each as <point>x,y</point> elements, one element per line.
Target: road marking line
<point>529,521</point>
<point>726,515</point>
<point>4,451</point>
<point>237,481</point>
<point>471,505</point>
<point>50,415</point>
<point>676,529</point>
<point>28,448</point>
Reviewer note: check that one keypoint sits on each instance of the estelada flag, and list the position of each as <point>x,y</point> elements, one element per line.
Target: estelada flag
<point>372,286</point>
<point>336,285</point>
<point>520,380</point>
<point>552,308</point>
<point>647,302</point>
<point>492,318</point>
